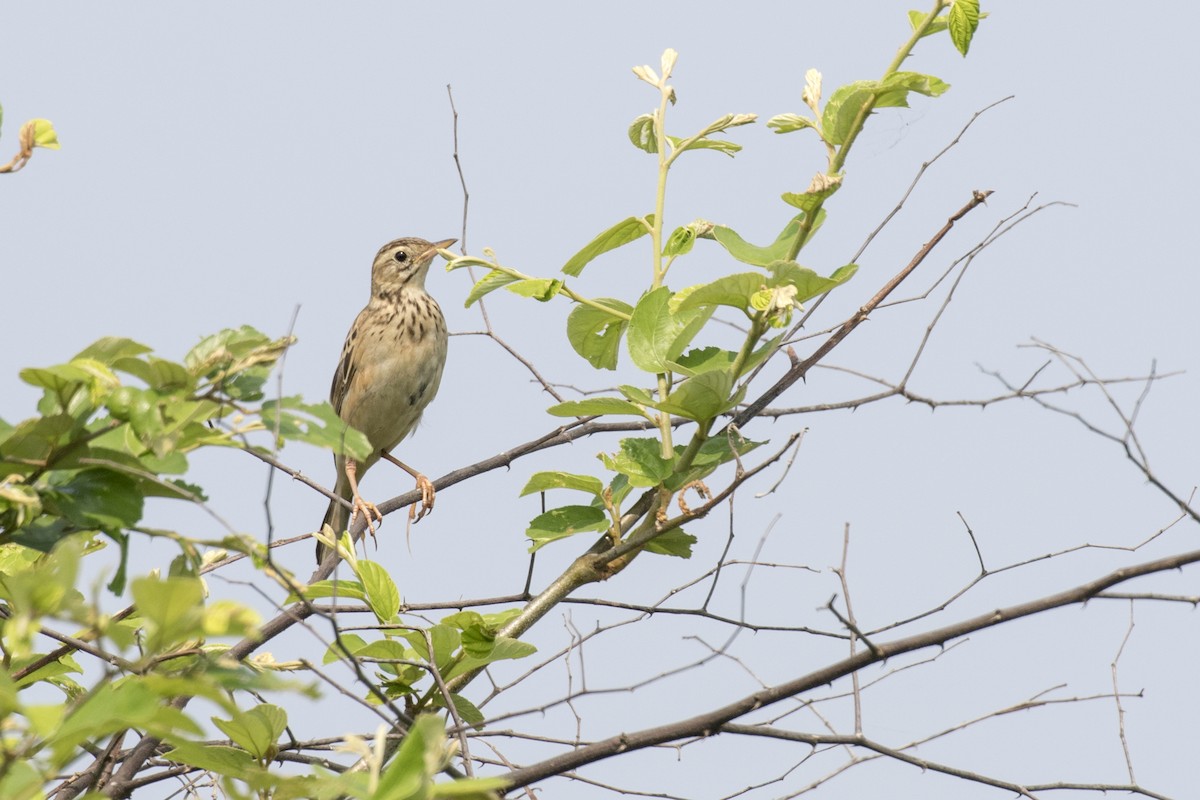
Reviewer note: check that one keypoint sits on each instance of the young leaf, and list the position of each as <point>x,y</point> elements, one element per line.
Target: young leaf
<point>627,230</point>
<point>595,405</point>
<point>640,460</point>
<point>642,133</point>
<point>680,242</point>
<point>44,134</point>
<point>702,396</point>
<point>541,481</point>
<point>658,334</point>
<point>595,334</point>
<point>382,595</point>
<point>541,289</point>
<point>720,145</point>
<point>895,88</point>
<point>732,290</point>
<point>175,605</point>
<point>757,256</point>
<point>786,123</point>
<point>964,20</point>
<point>347,590</point>
<point>255,730</point>
<point>843,108</point>
<point>560,523</point>
<point>488,284</point>
<point>672,543</point>
<point>939,24</point>
<point>819,190</point>
<point>446,640</point>
<point>111,348</point>
<point>808,283</point>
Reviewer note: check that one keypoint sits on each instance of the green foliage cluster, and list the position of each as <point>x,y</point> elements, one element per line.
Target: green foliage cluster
<point>458,645</point>
<point>664,331</point>
<point>115,427</point>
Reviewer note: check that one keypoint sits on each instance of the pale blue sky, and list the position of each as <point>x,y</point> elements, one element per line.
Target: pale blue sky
<point>224,163</point>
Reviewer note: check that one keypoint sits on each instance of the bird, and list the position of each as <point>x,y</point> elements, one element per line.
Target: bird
<point>390,369</point>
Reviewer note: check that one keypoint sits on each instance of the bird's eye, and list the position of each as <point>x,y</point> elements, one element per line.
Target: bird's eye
<point>401,257</point>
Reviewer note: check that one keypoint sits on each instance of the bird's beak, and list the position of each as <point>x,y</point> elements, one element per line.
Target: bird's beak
<point>443,244</point>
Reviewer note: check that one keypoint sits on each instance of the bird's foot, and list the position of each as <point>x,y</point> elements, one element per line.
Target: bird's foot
<point>370,514</point>
<point>423,506</point>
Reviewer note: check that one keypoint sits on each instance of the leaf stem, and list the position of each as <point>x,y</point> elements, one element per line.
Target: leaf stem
<point>838,160</point>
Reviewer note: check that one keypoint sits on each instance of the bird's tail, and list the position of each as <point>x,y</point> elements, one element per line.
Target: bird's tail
<point>337,516</point>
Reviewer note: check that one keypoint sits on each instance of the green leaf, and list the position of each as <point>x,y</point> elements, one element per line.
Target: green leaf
<point>702,396</point>
<point>382,595</point>
<point>33,441</point>
<point>112,707</point>
<point>822,187</point>
<point>672,543</point>
<point>918,82</point>
<point>939,24</point>
<point>229,762</point>
<point>44,134</point>
<point>807,282</point>
<point>843,108</point>
<point>255,730</point>
<point>847,102</point>
<point>352,641</point>
<point>111,349</point>
<point>637,395</point>
<point>480,653</point>
<point>542,481</point>
<point>446,641</point>
<point>410,772</point>
<point>542,289</point>
<point>596,334</point>
<point>157,373</point>
<point>595,405</point>
<point>720,145</point>
<point>748,253</point>
<point>64,379</point>
<point>642,133</point>
<point>964,20</point>
<point>627,230</point>
<point>640,460</point>
<point>175,606</point>
<point>346,590</point>
<point>97,498</point>
<point>732,290</point>
<point>559,523</point>
<point>316,424</point>
<point>462,262</point>
<point>237,360</point>
<point>680,242</point>
<point>466,710</point>
<point>21,781</point>
<point>703,359</point>
<point>488,284</point>
<point>659,334</point>
<point>786,123</point>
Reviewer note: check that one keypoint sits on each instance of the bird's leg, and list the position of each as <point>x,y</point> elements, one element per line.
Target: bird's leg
<point>427,493</point>
<point>359,504</point>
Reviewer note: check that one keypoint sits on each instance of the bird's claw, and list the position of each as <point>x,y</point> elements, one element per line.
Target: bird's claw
<point>418,510</point>
<point>368,510</point>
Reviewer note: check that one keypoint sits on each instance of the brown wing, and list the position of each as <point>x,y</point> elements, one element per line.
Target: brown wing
<point>344,374</point>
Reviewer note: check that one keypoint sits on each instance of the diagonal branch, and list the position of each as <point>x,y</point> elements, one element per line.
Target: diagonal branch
<point>712,721</point>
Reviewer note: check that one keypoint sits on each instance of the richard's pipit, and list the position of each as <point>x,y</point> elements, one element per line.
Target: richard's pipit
<point>390,369</point>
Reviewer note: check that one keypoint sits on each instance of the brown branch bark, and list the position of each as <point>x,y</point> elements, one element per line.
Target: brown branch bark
<point>710,722</point>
